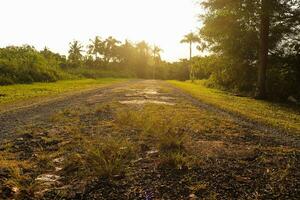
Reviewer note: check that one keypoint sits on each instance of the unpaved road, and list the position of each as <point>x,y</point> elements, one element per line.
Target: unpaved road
<point>133,92</point>
<point>224,155</point>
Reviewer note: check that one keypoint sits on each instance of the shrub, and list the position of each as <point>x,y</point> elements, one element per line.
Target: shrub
<point>26,65</point>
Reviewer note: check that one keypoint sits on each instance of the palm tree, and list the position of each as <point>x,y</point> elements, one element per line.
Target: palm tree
<point>95,47</point>
<point>75,56</point>
<point>143,48</point>
<point>190,39</point>
<point>110,46</point>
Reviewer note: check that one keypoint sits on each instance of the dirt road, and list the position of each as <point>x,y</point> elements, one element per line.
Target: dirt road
<point>225,156</point>
<point>134,92</point>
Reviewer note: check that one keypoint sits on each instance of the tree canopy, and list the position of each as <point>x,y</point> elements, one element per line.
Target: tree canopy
<point>231,30</point>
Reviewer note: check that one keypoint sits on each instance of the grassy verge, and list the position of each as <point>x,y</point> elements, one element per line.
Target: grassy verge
<point>19,92</point>
<point>274,114</point>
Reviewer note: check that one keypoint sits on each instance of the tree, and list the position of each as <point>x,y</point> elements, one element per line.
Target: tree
<point>143,58</point>
<point>264,48</point>
<point>109,50</point>
<point>75,56</point>
<point>156,56</point>
<point>247,35</point>
<point>95,48</point>
<point>190,39</point>
<point>54,59</point>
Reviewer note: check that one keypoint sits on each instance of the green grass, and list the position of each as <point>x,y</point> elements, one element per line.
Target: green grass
<point>274,114</point>
<point>19,92</point>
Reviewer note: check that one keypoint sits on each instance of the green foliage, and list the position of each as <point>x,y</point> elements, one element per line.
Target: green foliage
<point>231,33</point>
<point>26,65</point>
<point>103,58</point>
<point>75,54</point>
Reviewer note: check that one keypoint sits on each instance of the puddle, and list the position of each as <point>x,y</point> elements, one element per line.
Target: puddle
<point>141,93</point>
<point>167,98</point>
<point>147,96</point>
<point>150,92</point>
<point>140,102</point>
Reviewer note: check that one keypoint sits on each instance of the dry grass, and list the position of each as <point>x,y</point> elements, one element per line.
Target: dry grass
<point>107,157</point>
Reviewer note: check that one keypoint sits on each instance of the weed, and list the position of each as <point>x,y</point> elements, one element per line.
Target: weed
<point>172,141</point>
<point>174,160</point>
<point>109,157</point>
<point>103,157</point>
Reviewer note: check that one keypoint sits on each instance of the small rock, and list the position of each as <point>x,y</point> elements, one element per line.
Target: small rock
<point>15,190</point>
<point>47,178</point>
<point>58,169</point>
<point>153,153</point>
<point>58,160</point>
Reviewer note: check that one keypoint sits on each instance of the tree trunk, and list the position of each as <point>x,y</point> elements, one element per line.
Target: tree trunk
<point>191,67</point>
<point>263,51</point>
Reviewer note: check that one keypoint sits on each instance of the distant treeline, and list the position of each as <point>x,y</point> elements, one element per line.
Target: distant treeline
<point>101,58</point>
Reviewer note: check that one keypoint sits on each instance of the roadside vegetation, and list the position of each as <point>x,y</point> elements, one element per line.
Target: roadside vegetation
<point>278,115</point>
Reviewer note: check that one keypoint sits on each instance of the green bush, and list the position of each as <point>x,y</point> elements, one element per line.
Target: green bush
<point>26,65</point>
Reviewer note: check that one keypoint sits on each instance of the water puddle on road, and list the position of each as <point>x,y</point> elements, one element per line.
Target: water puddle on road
<point>147,96</point>
<point>140,102</point>
<point>150,91</point>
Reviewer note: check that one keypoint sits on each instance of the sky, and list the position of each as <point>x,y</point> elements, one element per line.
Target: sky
<point>55,23</point>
